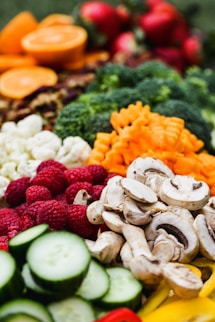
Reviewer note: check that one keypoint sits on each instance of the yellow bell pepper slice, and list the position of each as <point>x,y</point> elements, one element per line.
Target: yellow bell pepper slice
<point>199,309</point>
<point>208,287</point>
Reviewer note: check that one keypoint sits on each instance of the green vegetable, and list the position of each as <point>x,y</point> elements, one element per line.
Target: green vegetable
<point>112,76</point>
<point>154,83</point>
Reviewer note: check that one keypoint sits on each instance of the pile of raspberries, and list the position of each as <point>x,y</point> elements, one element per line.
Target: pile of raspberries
<point>48,198</point>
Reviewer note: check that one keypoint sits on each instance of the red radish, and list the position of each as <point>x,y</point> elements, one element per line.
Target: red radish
<point>192,50</point>
<point>126,43</point>
<point>171,56</point>
<point>157,26</point>
<point>124,16</point>
<point>103,15</point>
<point>180,32</point>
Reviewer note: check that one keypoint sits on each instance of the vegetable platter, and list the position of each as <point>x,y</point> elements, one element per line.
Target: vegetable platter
<point>107,160</point>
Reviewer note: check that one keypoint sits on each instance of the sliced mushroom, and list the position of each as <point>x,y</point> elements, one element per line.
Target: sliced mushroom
<point>138,190</point>
<point>114,195</point>
<point>209,211</point>
<point>144,269</point>
<point>82,197</point>
<point>185,283</point>
<point>136,239</point>
<point>113,221</point>
<point>140,168</point>
<point>166,247</point>
<point>94,212</point>
<point>134,214</point>
<point>107,246</point>
<point>175,225</point>
<point>206,237</point>
<point>184,191</point>
<point>182,212</point>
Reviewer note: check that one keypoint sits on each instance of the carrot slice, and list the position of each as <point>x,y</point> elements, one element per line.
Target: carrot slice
<point>13,32</point>
<point>56,44</point>
<point>11,61</point>
<point>54,19</point>
<point>21,81</point>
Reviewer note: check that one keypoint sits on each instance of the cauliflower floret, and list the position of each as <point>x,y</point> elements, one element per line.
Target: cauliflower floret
<point>3,185</point>
<point>43,145</point>
<point>74,152</point>
<point>9,171</point>
<point>30,125</point>
<point>28,168</point>
<point>9,128</point>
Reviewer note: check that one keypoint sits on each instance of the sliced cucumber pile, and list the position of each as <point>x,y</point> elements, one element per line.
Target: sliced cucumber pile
<point>28,307</point>
<point>11,281</point>
<point>125,290</point>
<point>74,309</point>
<point>19,244</point>
<point>59,260</point>
<point>50,276</point>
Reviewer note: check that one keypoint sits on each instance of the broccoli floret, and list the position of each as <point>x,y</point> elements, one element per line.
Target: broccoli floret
<point>71,120</point>
<point>153,90</point>
<point>98,102</point>
<point>192,116</point>
<point>125,96</point>
<point>99,122</point>
<point>206,74</point>
<point>158,69</point>
<point>112,76</point>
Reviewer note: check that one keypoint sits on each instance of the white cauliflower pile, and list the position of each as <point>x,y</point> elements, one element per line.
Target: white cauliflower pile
<point>23,145</point>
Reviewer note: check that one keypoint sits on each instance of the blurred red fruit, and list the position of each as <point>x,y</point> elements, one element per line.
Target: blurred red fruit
<point>192,50</point>
<point>171,56</point>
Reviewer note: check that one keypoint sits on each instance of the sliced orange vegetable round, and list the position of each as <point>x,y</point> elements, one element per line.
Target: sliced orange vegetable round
<point>13,32</point>
<point>54,19</point>
<point>18,82</point>
<point>11,61</point>
<point>56,44</point>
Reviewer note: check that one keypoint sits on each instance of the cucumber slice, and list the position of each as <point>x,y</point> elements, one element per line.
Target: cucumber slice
<point>71,309</point>
<point>20,317</point>
<point>19,244</point>
<point>59,260</point>
<point>96,283</point>
<point>11,281</point>
<point>26,306</point>
<point>125,290</point>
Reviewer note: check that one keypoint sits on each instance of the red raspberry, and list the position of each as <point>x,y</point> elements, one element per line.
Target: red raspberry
<point>51,178</point>
<point>62,198</point>
<point>4,243</point>
<point>99,173</point>
<point>78,223</point>
<point>9,221</point>
<point>51,212</point>
<point>97,190</point>
<point>15,192</point>
<point>48,163</point>
<point>73,189</point>
<point>21,208</point>
<point>26,222</point>
<point>36,193</point>
<point>78,174</point>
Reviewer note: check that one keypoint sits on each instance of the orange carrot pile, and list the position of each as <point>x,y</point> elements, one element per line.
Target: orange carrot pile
<point>139,132</point>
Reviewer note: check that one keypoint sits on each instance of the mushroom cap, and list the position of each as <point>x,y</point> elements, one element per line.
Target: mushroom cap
<point>138,190</point>
<point>185,283</point>
<point>141,167</point>
<point>184,191</point>
<point>206,237</point>
<point>175,225</point>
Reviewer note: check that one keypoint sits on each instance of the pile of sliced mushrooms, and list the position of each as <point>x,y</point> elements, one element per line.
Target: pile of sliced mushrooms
<point>158,223</point>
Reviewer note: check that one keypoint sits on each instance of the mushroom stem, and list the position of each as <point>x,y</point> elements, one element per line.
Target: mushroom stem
<point>107,246</point>
<point>136,239</point>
